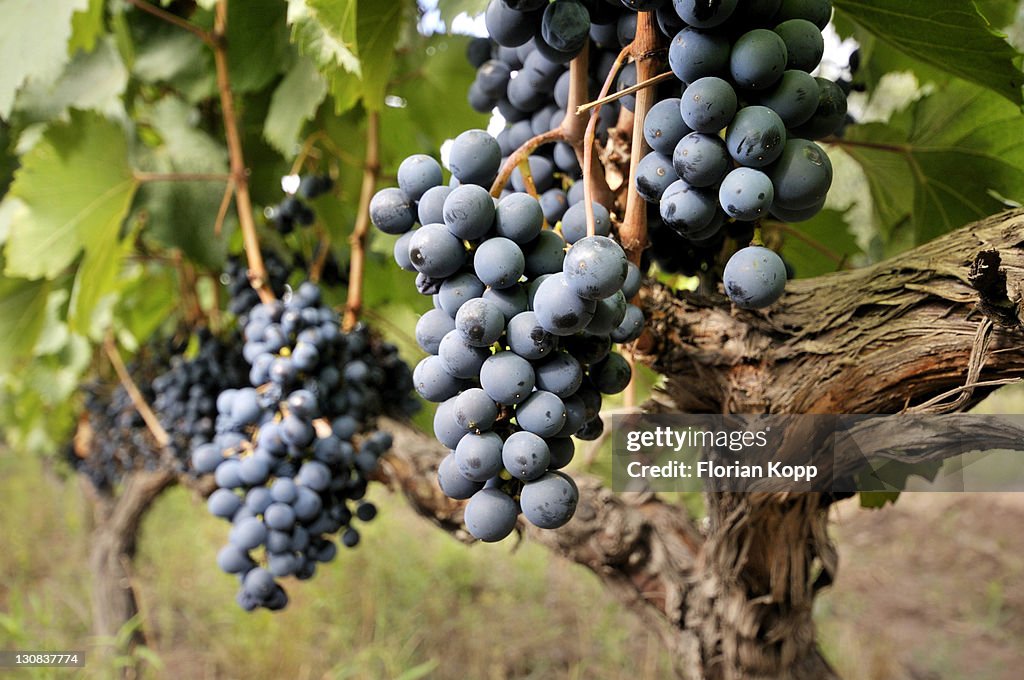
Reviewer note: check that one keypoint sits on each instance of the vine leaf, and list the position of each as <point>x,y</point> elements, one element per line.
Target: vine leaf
<point>952,157</point>
<point>453,8</point>
<point>22,313</point>
<point>325,31</point>
<point>182,214</point>
<point>377,31</point>
<point>952,36</point>
<point>294,102</point>
<point>26,51</point>
<point>76,186</point>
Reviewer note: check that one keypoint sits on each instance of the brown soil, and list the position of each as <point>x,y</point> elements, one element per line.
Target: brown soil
<point>931,588</point>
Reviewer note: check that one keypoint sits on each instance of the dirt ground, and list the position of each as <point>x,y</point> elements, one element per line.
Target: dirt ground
<point>929,589</point>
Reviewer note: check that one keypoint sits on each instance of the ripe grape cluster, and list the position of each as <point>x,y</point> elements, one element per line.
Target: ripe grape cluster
<point>182,391</point>
<point>292,210</point>
<point>520,337</point>
<point>293,449</point>
<point>737,142</point>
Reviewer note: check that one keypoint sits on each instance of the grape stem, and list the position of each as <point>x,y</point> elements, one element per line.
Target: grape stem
<point>589,140</point>
<point>152,422</point>
<point>163,14</point>
<point>239,172</point>
<point>357,261</point>
<point>571,130</point>
<point>633,230</point>
<point>222,211</point>
<point>523,153</point>
<point>605,99</point>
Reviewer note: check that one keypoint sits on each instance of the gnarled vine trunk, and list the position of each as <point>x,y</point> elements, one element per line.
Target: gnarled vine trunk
<point>733,598</point>
<point>116,523</point>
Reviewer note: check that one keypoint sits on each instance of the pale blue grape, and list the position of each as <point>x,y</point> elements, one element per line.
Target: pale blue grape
<point>519,218</point>
<point>545,254</point>
<point>559,309</point>
<point>654,174</point>
<point>490,515</point>
<point>758,59</point>
<point>431,327</point>
<point>794,98</point>
<point>695,54</point>
<point>435,252</point>
<point>469,212</point>
<point>457,290</point>
<point>480,322</point>
<point>417,174</point>
<point>550,501</point>
<point>433,381</point>
<point>542,413</point>
<point>479,456</point>
<point>561,374</point>
<point>475,156</point>
<point>507,378</point>
<point>391,211</point>
<point>708,104</point>
<point>451,481</point>
<point>804,44</point>
<point>574,222</point>
<point>459,358</point>
<point>802,176</point>
<point>631,327</point>
<point>701,160</point>
<point>595,267</point>
<point>746,194</point>
<point>664,126</point>
<point>754,277</point>
<point>756,136</point>
<point>499,262</point>
<point>474,410</point>
<point>528,339</point>
<point>525,455</point>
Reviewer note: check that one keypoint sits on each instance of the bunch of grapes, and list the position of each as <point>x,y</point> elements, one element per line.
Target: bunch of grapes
<point>241,295</point>
<point>182,391</point>
<point>736,145</point>
<point>521,335</point>
<point>293,210</point>
<point>185,395</point>
<point>293,450</point>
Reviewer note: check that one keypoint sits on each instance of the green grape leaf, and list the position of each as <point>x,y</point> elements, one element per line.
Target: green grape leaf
<point>819,245</point>
<point>325,31</point>
<point>77,186</point>
<point>951,158</point>
<point>952,36</point>
<point>295,101</point>
<point>164,54</point>
<point>92,81</point>
<point>22,313</point>
<point>453,8</point>
<point>256,27</point>
<point>29,52</point>
<point>430,71</point>
<point>96,287</point>
<point>86,27</point>
<point>182,214</point>
<point>377,29</point>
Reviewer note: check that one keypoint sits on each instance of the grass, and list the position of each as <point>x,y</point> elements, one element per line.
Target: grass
<point>408,602</point>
